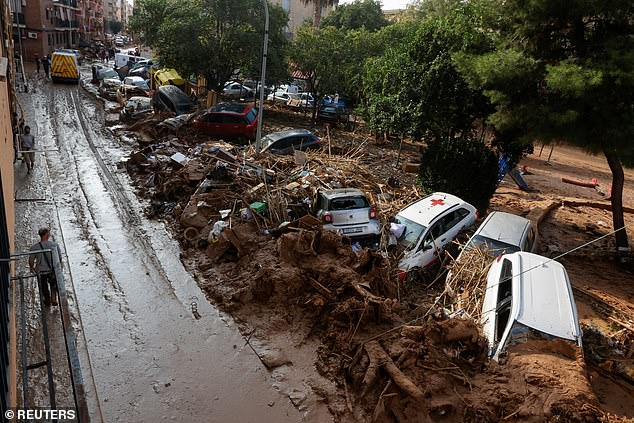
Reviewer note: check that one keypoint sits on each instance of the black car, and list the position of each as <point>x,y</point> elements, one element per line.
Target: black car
<point>333,114</point>
<point>284,142</point>
<point>171,98</point>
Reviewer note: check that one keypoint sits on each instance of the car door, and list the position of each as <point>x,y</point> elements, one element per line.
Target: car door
<point>213,125</point>
<point>454,222</point>
<point>426,252</point>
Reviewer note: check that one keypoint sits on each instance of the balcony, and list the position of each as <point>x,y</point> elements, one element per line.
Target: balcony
<point>65,24</point>
<point>18,18</point>
<point>71,3</point>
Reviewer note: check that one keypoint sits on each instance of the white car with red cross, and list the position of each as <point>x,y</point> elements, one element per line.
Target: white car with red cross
<point>425,227</point>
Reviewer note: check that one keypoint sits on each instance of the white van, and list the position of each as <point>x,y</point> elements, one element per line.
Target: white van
<point>121,60</point>
<point>528,297</point>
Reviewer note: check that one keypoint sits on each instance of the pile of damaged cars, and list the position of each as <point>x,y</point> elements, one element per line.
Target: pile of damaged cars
<point>527,298</point>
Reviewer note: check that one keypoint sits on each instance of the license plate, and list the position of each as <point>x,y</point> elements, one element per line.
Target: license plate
<point>352,230</point>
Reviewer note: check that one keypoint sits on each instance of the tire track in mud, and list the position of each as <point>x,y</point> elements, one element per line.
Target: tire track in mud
<point>85,220</point>
<point>121,201</point>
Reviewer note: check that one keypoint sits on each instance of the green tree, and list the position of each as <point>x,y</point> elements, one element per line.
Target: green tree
<point>357,15</point>
<point>215,38</point>
<point>332,58</point>
<point>415,88</point>
<point>147,17</point>
<point>449,165</point>
<point>563,71</point>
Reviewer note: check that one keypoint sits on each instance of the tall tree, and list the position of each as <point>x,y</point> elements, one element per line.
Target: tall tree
<point>415,89</point>
<point>332,58</point>
<point>147,17</point>
<point>359,14</point>
<point>564,71</point>
<point>213,38</point>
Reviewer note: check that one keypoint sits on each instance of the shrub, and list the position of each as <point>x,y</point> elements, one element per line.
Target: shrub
<point>460,166</point>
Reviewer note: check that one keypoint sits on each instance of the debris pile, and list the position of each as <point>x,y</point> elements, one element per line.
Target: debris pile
<point>466,283</point>
<point>247,233</point>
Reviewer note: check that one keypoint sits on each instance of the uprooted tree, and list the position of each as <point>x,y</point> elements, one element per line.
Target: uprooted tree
<point>213,38</point>
<point>563,71</point>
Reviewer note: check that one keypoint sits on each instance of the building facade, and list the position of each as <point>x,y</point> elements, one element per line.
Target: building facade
<point>8,356</point>
<point>91,20</point>
<point>299,12</point>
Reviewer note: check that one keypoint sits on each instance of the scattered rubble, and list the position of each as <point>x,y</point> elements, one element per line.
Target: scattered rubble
<point>395,352</point>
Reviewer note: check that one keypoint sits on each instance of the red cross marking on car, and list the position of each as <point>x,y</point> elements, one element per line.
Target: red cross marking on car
<point>437,202</point>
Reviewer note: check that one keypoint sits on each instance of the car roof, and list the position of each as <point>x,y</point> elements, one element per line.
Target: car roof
<point>234,108</point>
<point>135,78</point>
<point>274,136</point>
<point>545,296</point>
<point>425,210</point>
<point>342,192</point>
<point>505,227</point>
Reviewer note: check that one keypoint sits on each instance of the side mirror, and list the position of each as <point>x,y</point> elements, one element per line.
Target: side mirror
<point>427,247</point>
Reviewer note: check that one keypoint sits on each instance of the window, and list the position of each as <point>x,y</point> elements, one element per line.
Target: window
<point>453,218</point>
<point>504,298</point>
<point>348,203</point>
<point>434,233</point>
<point>413,231</point>
<point>530,239</point>
<point>298,142</point>
<point>250,117</point>
<point>213,118</point>
<point>232,119</point>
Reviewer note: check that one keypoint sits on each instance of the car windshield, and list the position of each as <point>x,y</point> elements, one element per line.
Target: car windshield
<point>493,246</point>
<point>412,233</point>
<point>348,203</point>
<point>109,73</point>
<point>141,84</point>
<point>520,334</point>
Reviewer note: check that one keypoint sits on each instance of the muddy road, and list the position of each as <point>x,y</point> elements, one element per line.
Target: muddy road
<point>152,358</point>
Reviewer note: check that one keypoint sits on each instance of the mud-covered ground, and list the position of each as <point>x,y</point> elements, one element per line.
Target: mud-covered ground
<point>151,346</point>
<point>372,349</point>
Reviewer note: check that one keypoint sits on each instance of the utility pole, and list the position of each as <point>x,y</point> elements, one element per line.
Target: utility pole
<point>258,135</point>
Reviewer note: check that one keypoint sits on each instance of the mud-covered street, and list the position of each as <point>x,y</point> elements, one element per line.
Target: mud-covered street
<point>151,346</point>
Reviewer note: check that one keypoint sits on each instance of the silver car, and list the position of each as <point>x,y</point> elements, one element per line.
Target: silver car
<point>505,233</point>
<point>348,212</point>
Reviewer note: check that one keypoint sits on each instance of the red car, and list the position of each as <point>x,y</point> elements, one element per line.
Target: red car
<point>229,120</point>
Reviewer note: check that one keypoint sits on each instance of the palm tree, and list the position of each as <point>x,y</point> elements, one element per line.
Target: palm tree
<point>319,6</point>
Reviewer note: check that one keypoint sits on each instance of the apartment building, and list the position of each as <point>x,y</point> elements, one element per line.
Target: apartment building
<point>91,19</point>
<point>299,12</point>
<point>8,358</point>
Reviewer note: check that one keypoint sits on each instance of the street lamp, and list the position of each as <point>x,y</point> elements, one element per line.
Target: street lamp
<point>258,134</point>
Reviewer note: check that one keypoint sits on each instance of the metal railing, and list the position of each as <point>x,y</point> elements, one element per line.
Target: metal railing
<point>25,282</point>
<point>5,307</point>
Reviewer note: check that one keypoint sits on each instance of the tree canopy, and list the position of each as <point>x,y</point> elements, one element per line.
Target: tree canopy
<point>415,87</point>
<point>359,14</point>
<point>563,71</point>
<point>213,38</point>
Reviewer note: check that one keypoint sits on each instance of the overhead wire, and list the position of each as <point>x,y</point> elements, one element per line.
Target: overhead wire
<point>548,260</point>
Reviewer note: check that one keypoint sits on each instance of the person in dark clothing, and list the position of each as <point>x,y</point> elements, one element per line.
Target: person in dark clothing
<point>37,63</point>
<point>46,64</point>
<point>44,265</point>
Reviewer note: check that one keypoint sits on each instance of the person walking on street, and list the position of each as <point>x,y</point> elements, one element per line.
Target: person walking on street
<point>44,265</point>
<point>46,63</point>
<point>37,63</point>
<point>27,145</point>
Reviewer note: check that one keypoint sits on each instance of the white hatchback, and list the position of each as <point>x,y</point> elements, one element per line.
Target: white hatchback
<point>528,297</point>
<point>425,227</point>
